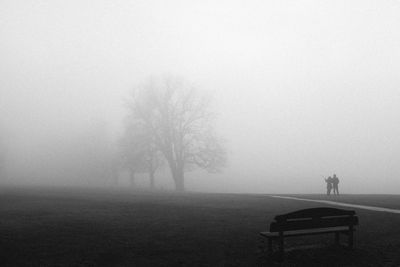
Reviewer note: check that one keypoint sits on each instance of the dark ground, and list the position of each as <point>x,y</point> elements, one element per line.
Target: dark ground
<point>87,227</point>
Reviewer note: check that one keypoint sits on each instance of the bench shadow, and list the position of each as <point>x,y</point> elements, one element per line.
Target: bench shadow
<point>329,256</point>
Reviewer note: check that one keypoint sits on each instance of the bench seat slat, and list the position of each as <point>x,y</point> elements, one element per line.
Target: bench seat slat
<point>310,223</point>
<point>314,212</point>
<point>306,232</point>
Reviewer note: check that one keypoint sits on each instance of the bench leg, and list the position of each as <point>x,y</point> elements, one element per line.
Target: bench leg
<point>351,231</point>
<point>337,238</point>
<point>270,246</point>
<point>281,248</point>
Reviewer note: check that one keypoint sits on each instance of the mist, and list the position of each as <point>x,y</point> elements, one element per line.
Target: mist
<point>302,89</point>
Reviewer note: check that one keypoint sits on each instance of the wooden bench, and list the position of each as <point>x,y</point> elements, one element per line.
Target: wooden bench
<point>313,221</point>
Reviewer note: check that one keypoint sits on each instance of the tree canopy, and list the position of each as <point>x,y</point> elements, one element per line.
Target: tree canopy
<point>179,121</point>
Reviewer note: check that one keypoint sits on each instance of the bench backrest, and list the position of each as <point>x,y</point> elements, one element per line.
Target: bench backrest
<point>314,218</point>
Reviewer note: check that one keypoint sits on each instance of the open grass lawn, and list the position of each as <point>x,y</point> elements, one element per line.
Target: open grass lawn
<point>86,227</point>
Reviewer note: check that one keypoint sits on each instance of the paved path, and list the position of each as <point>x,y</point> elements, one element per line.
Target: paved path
<point>342,204</point>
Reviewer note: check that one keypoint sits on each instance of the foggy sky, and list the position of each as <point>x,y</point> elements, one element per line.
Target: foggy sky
<point>304,89</point>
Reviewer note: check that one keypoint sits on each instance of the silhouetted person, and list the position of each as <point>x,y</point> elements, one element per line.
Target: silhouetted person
<point>335,183</point>
<point>329,182</point>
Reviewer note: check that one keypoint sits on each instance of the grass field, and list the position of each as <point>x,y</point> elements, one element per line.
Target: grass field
<point>87,227</point>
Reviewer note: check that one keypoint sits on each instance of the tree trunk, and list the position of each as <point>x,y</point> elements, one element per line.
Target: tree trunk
<point>115,176</point>
<point>132,177</point>
<point>151,171</point>
<point>177,172</point>
<point>151,174</point>
<point>179,179</point>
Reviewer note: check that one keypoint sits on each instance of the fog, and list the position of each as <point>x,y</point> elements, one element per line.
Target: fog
<point>303,89</point>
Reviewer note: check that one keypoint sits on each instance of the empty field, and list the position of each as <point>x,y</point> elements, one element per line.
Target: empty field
<point>86,227</point>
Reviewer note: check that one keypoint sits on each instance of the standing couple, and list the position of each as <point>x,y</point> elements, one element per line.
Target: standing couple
<point>332,182</point>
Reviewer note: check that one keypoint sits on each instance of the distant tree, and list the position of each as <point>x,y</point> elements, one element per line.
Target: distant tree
<point>138,151</point>
<point>179,120</point>
<point>2,160</point>
<point>2,153</point>
<point>91,157</point>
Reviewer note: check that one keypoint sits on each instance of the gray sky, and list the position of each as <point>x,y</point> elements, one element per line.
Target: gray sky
<point>303,88</point>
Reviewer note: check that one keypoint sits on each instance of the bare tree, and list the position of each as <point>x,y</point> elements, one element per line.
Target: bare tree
<point>2,159</point>
<point>179,120</point>
<point>91,156</point>
<point>3,152</point>
<point>138,151</point>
